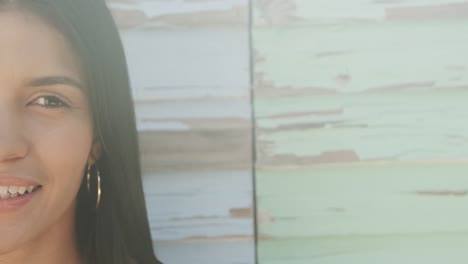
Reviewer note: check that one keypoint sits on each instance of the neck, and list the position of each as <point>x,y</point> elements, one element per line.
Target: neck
<point>57,245</point>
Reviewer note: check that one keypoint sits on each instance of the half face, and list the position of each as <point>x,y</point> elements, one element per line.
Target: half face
<point>45,130</point>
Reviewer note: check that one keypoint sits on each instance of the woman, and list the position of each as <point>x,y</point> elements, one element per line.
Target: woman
<point>70,181</point>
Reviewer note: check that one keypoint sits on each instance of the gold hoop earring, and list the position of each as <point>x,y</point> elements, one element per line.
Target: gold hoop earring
<point>88,178</point>
<point>98,189</point>
<point>88,184</point>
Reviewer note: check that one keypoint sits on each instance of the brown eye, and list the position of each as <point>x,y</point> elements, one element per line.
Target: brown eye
<point>50,101</point>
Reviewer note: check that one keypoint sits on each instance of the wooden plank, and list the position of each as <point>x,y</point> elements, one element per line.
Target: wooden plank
<point>352,58</point>
<point>199,149</point>
<point>415,248</point>
<point>362,127</point>
<point>189,69</point>
<point>229,252</point>
<point>197,204</point>
<point>180,132</point>
<point>361,144</point>
<point>177,113</point>
<point>363,199</point>
<point>172,109</point>
<point>334,95</point>
<point>187,64</point>
<point>181,14</point>
<point>295,12</point>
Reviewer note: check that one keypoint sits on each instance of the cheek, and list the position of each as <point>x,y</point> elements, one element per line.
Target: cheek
<point>62,147</point>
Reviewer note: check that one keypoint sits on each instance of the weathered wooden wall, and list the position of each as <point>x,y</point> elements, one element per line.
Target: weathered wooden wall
<point>189,65</point>
<point>361,144</point>
<point>362,131</point>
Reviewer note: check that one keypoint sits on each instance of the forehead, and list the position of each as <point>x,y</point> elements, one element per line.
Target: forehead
<point>30,47</point>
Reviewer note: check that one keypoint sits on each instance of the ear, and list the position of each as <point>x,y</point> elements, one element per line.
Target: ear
<point>95,153</point>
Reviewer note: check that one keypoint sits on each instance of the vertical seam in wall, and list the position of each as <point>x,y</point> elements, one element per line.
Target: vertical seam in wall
<point>253,124</point>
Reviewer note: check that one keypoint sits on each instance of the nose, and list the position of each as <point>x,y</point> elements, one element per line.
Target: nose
<point>13,145</point>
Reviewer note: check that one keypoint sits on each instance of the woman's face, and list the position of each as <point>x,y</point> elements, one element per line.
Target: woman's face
<point>46,130</point>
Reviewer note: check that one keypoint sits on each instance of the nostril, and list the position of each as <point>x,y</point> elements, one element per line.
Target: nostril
<point>12,150</point>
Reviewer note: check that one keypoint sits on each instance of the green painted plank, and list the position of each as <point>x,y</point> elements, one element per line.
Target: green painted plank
<point>361,139</point>
<point>433,248</point>
<point>411,125</point>
<point>364,199</point>
<point>361,57</point>
<point>296,12</point>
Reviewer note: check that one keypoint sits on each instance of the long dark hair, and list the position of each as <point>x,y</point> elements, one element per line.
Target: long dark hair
<point>118,231</point>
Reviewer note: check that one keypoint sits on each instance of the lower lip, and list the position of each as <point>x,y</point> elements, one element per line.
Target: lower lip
<point>15,203</point>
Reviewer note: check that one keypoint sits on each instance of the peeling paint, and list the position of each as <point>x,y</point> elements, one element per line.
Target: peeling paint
<point>451,11</point>
<point>442,193</point>
<point>360,138</point>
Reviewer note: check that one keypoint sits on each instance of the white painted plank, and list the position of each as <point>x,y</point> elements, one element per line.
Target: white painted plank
<point>189,64</point>
<point>228,252</point>
<point>199,204</point>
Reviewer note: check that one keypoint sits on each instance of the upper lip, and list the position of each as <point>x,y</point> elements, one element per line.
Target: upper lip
<point>8,180</point>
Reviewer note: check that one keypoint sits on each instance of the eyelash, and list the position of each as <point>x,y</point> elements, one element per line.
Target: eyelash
<point>46,98</point>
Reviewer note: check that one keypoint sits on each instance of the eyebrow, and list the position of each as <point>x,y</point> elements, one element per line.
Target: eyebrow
<point>55,80</point>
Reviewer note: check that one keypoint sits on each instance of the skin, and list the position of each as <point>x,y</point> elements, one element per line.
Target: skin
<point>46,135</point>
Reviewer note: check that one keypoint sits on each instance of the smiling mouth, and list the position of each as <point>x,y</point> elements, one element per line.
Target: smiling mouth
<point>17,191</point>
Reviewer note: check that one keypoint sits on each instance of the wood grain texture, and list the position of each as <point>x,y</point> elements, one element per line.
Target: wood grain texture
<point>189,69</point>
<point>151,14</point>
<point>378,101</point>
<point>367,199</point>
<point>400,248</point>
<point>192,97</point>
<point>361,139</point>
<point>200,205</point>
<point>229,252</point>
<point>366,127</point>
<point>295,12</point>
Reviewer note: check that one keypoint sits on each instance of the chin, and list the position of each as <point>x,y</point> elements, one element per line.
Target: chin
<point>15,236</point>
<point>9,245</point>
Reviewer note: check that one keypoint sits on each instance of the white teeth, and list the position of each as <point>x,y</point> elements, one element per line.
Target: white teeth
<point>21,190</point>
<point>13,189</point>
